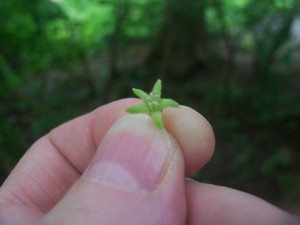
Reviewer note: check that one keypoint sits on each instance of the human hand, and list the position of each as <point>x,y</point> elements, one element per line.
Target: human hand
<point>85,172</point>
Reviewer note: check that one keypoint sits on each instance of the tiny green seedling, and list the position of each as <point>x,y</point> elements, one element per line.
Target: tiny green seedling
<point>152,104</point>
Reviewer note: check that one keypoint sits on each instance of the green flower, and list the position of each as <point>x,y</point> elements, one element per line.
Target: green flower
<point>152,104</point>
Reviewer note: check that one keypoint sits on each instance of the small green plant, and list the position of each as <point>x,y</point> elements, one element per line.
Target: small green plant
<point>152,104</point>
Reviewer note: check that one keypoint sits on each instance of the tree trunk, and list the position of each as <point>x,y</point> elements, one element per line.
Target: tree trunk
<point>271,40</point>
<point>121,10</point>
<point>181,39</point>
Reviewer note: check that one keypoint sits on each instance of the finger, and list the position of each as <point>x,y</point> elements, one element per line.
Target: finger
<point>193,133</point>
<point>57,160</point>
<point>212,205</point>
<point>136,177</point>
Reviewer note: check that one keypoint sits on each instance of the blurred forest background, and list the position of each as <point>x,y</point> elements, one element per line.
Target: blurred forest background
<point>237,62</point>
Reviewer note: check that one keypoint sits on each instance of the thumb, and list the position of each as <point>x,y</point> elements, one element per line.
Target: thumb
<point>136,177</point>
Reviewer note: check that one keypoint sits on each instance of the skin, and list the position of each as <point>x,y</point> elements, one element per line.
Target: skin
<point>48,186</point>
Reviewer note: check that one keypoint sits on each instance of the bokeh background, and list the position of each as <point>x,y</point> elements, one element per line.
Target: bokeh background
<point>237,62</point>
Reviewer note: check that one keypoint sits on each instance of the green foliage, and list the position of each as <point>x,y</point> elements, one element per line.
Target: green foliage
<point>92,22</point>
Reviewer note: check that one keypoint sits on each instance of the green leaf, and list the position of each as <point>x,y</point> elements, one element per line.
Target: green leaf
<point>157,118</point>
<point>166,102</point>
<point>140,93</point>
<point>141,108</point>
<point>157,88</point>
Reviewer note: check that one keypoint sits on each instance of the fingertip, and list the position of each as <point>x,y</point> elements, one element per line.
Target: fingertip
<point>193,133</point>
